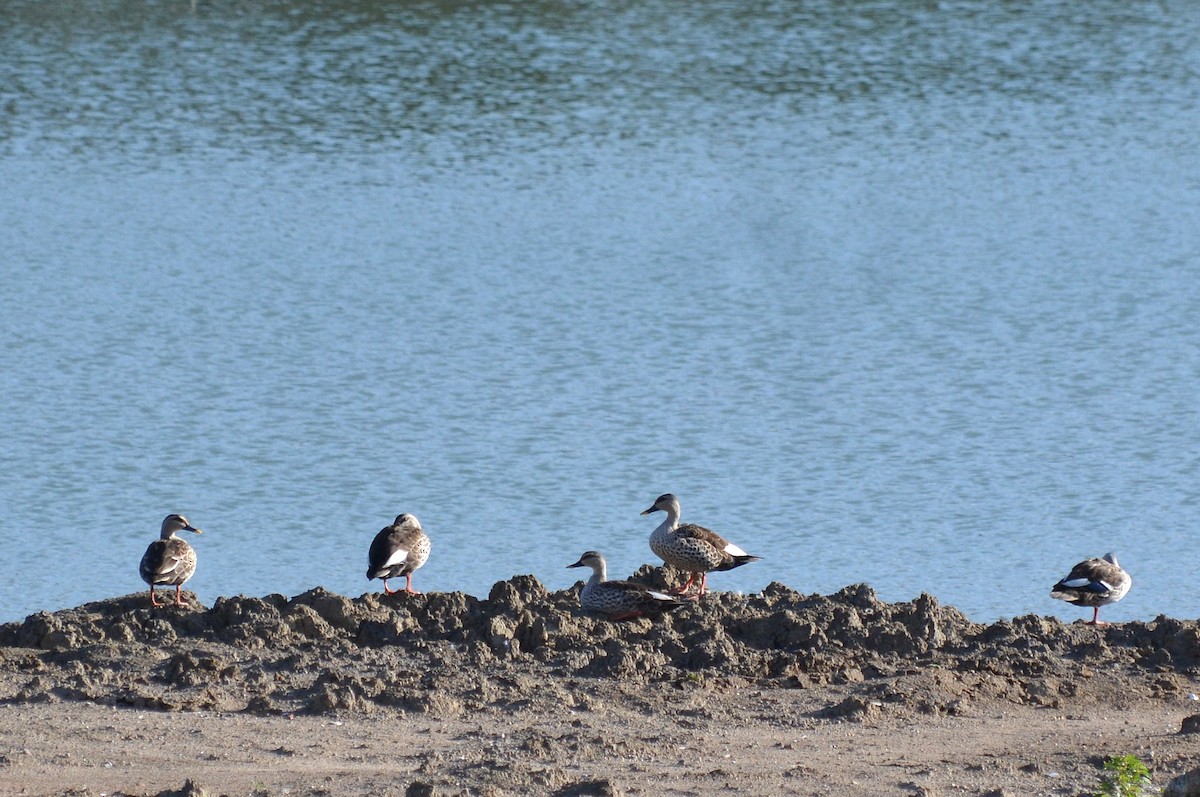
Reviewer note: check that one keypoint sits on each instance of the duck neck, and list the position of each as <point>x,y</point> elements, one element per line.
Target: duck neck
<point>671,522</point>
<point>599,574</point>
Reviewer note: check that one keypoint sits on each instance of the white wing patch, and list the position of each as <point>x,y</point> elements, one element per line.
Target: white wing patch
<point>396,558</point>
<point>168,567</point>
<point>733,550</point>
<point>1075,583</point>
<point>658,596</point>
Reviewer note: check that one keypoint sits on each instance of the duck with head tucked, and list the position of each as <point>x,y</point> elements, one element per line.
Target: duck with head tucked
<point>1094,582</point>
<point>169,560</point>
<point>398,550</point>
<point>692,548</point>
<point>619,600</point>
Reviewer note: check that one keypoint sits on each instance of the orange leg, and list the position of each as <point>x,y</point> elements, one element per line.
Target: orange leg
<point>1096,617</point>
<point>408,585</point>
<point>684,588</point>
<point>389,591</point>
<point>178,597</point>
<point>153,601</point>
<point>703,584</point>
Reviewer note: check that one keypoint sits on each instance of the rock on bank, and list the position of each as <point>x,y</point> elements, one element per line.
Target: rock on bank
<point>451,652</point>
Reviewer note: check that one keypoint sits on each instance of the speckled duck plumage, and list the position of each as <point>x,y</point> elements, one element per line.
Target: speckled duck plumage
<point>619,600</point>
<point>398,550</point>
<point>692,548</point>
<point>169,561</point>
<point>1094,583</point>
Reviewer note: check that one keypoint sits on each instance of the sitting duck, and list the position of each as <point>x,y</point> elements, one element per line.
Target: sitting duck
<point>619,600</point>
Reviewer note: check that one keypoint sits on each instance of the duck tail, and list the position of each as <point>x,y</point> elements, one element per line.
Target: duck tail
<point>662,602</point>
<point>738,561</point>
<point>1064,593</point>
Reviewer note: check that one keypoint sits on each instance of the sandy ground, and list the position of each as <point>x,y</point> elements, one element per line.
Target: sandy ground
<point>778,748</point>
<point>775,694</point>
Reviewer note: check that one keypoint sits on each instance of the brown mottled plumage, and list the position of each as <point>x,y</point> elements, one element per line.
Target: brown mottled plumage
<point>1095,583</point>
<point>398,550</point>
<point>692,548</point>
<point>619,600</point>
<point>169,560</point>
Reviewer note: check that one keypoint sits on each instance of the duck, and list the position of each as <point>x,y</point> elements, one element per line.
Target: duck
<point>169,560</point>
<point>398,550</point>
<point>619,600</point>
<point>692,548</point>
<point>1094,582</point>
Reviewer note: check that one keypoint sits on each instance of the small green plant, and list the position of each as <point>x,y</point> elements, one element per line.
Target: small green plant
<point>1126,777</point>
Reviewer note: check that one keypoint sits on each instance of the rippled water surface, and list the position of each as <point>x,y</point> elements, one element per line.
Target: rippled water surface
<point>896,292</point>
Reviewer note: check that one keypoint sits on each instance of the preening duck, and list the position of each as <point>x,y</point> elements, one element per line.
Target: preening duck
<point>692,548</point>
<point>1095,583</point>
<point>398,550</point>
<point>169,560</point>
<point>619,600</point>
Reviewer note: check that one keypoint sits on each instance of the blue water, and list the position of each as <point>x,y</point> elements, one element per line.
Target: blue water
<point>904,293</point>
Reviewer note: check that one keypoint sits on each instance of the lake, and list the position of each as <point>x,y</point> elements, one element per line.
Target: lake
<point>896,292</point>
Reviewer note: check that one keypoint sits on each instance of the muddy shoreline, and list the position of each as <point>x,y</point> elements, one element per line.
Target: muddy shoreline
<point>525,656</point>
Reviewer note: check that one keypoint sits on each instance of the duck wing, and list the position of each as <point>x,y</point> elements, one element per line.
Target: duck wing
<point>397,549</point>
<point>387,551</point>
<point>641,591</point>
<point>731,555</point>
<point>162,559</point>
<point>1090,579</point>
<point>638,596</point>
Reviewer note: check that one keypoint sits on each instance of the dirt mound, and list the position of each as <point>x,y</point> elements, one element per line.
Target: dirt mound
<point>452,653</point>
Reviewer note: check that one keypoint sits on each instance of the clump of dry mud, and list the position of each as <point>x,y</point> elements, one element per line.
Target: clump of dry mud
<point>522,646</point>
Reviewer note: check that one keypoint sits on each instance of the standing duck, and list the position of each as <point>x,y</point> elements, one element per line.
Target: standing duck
<point>169,560</point>
<point>1095,583</point>
<point>692,548</point>
<point>398,550</point>
<point>619,600</point>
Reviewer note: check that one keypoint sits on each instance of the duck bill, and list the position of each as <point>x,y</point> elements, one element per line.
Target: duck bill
<point>577,564</point>
<point>651,509</point>
<point>193,528</point>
